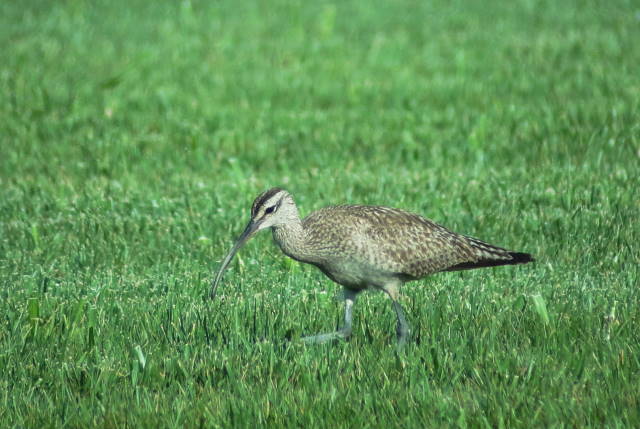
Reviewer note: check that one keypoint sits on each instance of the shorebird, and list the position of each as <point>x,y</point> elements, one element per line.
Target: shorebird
<point>366,247</point>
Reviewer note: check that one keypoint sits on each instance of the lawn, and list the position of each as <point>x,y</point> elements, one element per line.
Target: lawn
<point>135,135</point>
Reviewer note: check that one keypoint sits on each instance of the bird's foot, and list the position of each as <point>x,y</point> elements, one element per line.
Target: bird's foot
<point>403,334</point>
<point>325,338</point>
<point>400,345</point>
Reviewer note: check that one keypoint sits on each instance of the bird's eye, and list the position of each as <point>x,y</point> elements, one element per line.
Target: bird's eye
<point>269,209</point>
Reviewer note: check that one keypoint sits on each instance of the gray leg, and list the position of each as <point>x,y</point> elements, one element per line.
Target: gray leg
<point>345,331</point>
<point>402,329</point>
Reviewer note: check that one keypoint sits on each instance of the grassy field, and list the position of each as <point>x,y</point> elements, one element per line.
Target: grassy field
<point>134,136</point>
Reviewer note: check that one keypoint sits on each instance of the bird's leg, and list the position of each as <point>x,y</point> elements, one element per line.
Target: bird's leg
<point>345,331</point>
<point>402,327</point>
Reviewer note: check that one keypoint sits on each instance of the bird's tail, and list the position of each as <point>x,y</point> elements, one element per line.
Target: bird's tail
<point>489,255</point>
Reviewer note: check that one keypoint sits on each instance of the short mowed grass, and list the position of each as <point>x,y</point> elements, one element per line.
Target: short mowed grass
<point>134,136</point>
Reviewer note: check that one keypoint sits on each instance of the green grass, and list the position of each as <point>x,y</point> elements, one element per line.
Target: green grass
<point>134,136</point>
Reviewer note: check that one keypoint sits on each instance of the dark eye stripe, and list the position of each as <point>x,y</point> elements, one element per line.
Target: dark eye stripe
<point>263,198</point>
<point>274,207</point>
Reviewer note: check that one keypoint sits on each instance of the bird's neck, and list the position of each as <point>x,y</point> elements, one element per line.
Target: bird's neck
<point>292,239</point>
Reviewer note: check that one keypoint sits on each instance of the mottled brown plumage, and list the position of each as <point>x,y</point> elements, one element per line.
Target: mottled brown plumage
<point>363,247</point>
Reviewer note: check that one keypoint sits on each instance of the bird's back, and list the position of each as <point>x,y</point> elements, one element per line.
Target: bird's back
<point>383,240</point>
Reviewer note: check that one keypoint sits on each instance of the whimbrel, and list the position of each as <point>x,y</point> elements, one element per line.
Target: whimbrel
<point>366,247</point>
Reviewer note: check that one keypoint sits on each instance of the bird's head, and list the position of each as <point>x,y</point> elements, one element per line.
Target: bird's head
<point>272,208</point>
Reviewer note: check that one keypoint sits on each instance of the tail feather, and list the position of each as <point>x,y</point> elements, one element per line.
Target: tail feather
<point>489,255</point>
<point>515,258</point>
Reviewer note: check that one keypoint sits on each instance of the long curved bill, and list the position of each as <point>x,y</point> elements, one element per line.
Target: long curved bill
<point>251,228</point>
